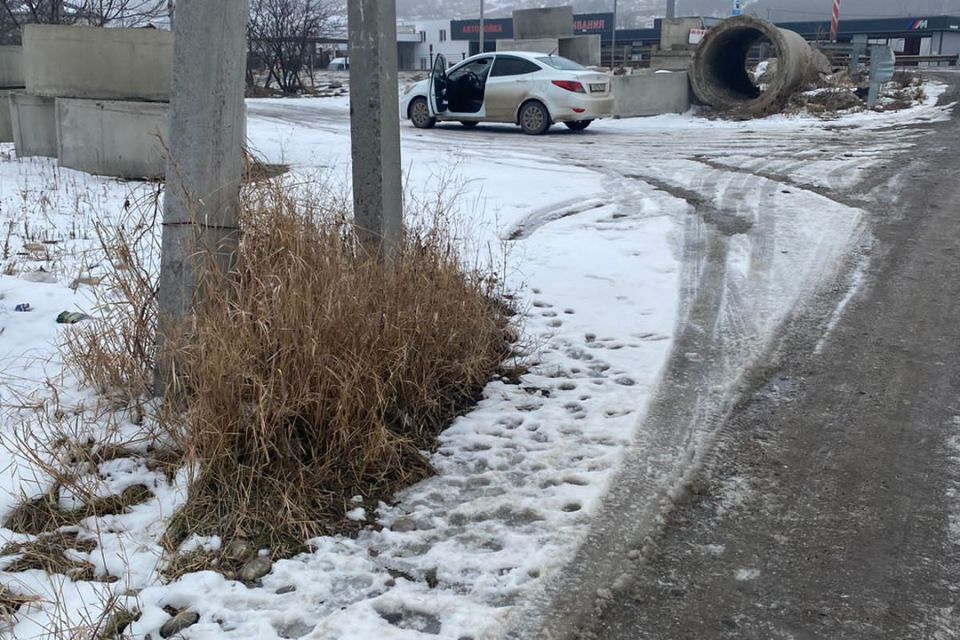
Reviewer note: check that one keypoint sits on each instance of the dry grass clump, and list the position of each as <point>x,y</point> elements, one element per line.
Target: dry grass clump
<point>11,602</point>
<point>827,102</point>
<point>311,375</point>
<point>318,374</point>
<point>904,91</point>
<point>114,352</point>
<point>45,515</point>
<point>50,553</point>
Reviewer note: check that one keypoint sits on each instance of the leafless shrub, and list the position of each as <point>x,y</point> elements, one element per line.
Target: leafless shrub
<point>280,35</point>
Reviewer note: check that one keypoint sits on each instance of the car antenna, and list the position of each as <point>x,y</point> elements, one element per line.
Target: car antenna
<point>554,51</point>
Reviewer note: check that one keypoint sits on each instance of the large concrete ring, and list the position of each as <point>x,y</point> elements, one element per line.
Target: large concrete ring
<point>719,74</point>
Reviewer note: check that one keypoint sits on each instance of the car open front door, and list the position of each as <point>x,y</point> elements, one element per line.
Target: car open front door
<point>437,95</point>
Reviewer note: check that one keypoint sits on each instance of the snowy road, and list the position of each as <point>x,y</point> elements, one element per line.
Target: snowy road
<point>829,507</point>
<point>765,215</point>
<point>664,253</point>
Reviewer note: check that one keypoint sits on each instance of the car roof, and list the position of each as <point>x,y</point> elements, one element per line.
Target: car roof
<point>520,54</point>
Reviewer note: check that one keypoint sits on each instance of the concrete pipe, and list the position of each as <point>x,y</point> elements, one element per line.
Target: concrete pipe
<point>719,75</point>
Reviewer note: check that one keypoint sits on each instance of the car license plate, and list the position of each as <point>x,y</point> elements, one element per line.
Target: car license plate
<point>598,88</point>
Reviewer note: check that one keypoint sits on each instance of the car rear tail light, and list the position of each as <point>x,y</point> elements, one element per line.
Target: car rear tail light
<point>570,85</point>
<point>576,110</point>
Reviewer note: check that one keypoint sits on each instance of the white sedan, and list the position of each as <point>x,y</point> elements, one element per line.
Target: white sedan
<point>533,90</point>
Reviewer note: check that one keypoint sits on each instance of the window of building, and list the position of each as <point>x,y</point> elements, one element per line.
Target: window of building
<point>443,35</point>
<point>423,36</point>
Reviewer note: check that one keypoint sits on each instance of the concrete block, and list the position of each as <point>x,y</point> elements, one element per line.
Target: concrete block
<point>675,34</point>
<point>671,60</point>
<point>34,123</point>
<point>113,138</point>
<point>96,63</point>
<point>582,49</point>
<point>552,22</point>
<point>650,94</point>
<point>538,45</point>
<point>11,67</point>
<point>6,123</point>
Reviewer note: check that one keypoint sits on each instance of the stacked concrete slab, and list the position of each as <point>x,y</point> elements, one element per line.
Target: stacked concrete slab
<point>11,81</point>
<point>550,30</point>
<point>34,123</point>
<point>96,99</point>
<point>651,93</point>
<point>676,51</point>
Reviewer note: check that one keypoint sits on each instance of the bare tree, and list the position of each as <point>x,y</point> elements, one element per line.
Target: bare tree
<point>100,13</point>
<point>119,13</point>
<point>281,35</point>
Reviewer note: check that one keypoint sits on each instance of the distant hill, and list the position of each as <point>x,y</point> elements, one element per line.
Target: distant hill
<point>780,10</point>
<point>631,13</point>
<point>642,12</point>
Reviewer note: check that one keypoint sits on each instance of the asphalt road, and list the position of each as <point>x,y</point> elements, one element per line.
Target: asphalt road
<point>823,507</point>
<point>830,506</point>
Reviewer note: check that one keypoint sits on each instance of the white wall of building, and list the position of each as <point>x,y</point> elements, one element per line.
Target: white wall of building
<point>436,33</point>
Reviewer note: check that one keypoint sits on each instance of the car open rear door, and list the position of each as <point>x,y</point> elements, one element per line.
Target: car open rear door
<point>437,95</point>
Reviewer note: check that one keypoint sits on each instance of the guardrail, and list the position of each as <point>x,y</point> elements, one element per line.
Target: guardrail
<point>939,61</point>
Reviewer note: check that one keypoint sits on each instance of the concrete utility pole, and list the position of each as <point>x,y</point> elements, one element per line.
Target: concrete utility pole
<point>613,45</point>
<point>482,34</point>
<point>375,124</point>
<point>671,9</point>
<point>207,138</point>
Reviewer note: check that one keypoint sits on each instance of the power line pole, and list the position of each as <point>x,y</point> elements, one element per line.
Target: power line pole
<point>207,138</point>
<point>482,34</point>
<point>613,50</point>
<point>375,125</point>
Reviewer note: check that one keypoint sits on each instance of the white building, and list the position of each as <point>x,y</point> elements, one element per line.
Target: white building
<point>420,42</point>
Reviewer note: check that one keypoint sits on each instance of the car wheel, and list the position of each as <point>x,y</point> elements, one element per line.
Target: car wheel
<point>534,118</point>
<point>469,124</point>
<point>578,125</point>
<point>419,113</point>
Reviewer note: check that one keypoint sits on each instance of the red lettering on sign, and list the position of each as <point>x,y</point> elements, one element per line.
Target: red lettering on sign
<point>596,24</point>
<point>487,28</point>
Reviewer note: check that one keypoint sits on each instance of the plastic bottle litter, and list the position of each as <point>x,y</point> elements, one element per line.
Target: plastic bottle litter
<point>71,317</point>
<point>23,308</point>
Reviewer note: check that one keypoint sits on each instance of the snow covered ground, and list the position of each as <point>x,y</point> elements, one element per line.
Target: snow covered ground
<point>610,238</point>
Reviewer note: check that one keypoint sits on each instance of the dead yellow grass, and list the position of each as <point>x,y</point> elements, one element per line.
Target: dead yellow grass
<point>313,375</point>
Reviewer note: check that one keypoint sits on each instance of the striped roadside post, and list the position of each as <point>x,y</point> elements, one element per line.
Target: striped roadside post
<point>835,21</point>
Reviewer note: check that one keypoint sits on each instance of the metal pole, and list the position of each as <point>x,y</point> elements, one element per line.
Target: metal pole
<point>835,21</point>
<point>482,34</point>
<point>613,46</point>
<point>205,168</point>
<point>375,125</point>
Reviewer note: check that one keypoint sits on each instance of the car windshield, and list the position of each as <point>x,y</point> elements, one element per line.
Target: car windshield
<point>563,64</point>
